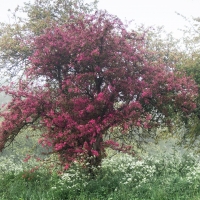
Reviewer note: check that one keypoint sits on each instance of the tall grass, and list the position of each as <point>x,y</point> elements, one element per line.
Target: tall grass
<point>121,177</point>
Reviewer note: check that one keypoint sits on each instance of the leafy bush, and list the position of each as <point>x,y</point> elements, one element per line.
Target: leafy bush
<point>122,176</point>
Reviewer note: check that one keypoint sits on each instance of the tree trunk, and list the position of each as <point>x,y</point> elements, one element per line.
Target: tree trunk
<point>95,161</point>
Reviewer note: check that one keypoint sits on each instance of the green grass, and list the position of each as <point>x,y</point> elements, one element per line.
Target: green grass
<point>121,177</point>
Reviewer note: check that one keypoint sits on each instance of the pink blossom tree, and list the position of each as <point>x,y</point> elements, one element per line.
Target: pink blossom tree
<point>87,77</point>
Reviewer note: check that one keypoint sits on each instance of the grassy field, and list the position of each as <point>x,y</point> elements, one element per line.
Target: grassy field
<point>122,177</point>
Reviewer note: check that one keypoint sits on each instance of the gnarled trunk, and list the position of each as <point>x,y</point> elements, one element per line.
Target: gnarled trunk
<point>95,161</point>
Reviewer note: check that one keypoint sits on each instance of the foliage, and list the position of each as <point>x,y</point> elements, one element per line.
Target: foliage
<point>28,21</point>
<point>190,64</point>
<point>191,60</point>
<point>163,176</point>
<point>86,78</point>
<point>166,48</point>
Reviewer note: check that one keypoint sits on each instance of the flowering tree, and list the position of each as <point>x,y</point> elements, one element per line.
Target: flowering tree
<point>86,78</point>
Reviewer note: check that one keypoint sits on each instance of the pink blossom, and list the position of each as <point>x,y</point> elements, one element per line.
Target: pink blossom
<point>89,108</point>
<point>95,153</point>
<point>100,97</point>
<point>67,166</point>
<point>95,52</point>
<point>27,158</point>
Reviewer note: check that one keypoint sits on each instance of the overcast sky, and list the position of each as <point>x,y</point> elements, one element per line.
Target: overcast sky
<point>154,12</point>
<point>149,12</point>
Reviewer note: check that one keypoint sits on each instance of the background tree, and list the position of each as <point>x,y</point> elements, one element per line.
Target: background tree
<point>190,64</point>
<point>162,46</point>
<point>28,21</point>
<point>84,79</point>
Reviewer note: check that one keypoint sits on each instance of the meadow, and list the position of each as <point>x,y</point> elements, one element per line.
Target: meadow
<point>162,176</point>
